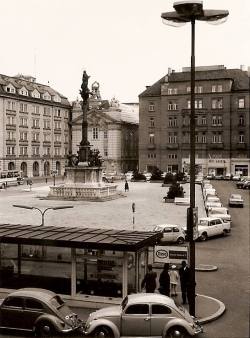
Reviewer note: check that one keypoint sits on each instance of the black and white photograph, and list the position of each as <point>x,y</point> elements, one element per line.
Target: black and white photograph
<point>124,168</point>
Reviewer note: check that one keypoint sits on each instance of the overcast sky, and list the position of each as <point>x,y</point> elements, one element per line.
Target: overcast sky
<point>122,44</point>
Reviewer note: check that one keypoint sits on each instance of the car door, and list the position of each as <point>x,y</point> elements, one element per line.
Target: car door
<point>160,316</point>
<point>219,227</point>
<point>11,315</point>
<point>33,309</point>
<point>212,228</point>
<point>168,235</point>
<point>135,321</point>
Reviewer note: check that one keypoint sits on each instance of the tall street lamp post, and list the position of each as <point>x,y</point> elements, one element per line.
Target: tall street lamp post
<point>42,211</point>
<point>190,11</point>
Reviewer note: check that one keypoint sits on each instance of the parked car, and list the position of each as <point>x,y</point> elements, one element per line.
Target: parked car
<point>129,175</point>
<point>212,226</point>
<point>212,204</point>
<point>147,175</point>
<point>142,315</point>
<point>171,233</point>
<point>228,177</point>
<point>210,200</point>
<point>236,177</point>
<point>221,212</point>
<point>236,200</point>
<point>210,176</point>
<point>209,192</point>
<point>240,184</point>
<point>207,186</point>
<point>218,177</point>
<point>246,185</point>
<point>40,311</point>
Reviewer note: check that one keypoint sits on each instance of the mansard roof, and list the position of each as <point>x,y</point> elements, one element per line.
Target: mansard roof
<point>239,77</point>
<point>19,82</point>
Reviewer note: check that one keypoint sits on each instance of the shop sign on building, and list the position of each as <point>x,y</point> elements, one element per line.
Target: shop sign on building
<point>170,254</point>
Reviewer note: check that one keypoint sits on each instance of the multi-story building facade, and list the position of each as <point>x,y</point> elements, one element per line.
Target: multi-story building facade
<point>222,113</point>
<point>112,129</point>
<point>34,135</point>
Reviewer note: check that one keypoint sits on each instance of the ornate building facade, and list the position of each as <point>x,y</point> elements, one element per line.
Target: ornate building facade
<point>34,135</point>
<point>222,113</point>
<point>112,129</point>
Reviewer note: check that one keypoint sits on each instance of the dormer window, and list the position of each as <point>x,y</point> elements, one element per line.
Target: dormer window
<point>23,91</point>
<point>10,89</point>
<point>36,94</point>
<point>46,96</point>
<point>57,98</point>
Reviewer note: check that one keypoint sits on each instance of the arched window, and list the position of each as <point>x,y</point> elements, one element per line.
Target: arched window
<point>46,168</point>
<point>58,167</point>
<point>24,169</point>
<point>11,166</point>
<point>36,169</point>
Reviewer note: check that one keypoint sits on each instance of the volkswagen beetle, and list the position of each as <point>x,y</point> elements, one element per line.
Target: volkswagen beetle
<point>142,315</point>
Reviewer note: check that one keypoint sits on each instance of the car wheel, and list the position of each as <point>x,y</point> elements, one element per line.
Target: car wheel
<point>180,240</point>
<point>176,332</point>
<point>203,236</point>
<point>225,232</point>
<point>45,329</point>
<point>102,332</point>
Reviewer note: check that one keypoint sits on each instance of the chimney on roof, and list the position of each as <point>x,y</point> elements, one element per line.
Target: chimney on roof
<point>169,71</point>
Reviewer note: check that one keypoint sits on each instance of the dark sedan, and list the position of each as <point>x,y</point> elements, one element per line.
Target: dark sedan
<point>40,311</point>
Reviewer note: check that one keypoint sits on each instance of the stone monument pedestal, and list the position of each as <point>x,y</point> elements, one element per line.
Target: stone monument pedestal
<point>83,183</point>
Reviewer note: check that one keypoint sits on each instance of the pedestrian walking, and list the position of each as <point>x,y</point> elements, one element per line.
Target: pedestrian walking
<point>126,186</point>
<point>174,277</point>
<point>164,281</point>
<point>149,280</point>
<point>184,273</point>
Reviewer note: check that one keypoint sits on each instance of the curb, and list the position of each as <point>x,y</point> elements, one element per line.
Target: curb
<point>217,314</point>
<point>206,267</point>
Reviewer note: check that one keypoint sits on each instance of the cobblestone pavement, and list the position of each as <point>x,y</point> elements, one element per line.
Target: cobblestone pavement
<point>150,208</point>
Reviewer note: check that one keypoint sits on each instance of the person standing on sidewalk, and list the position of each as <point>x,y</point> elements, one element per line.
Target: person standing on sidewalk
<point>174,277</point>
<point>164,281</point>
<point>184,273</point>
<point>149,280</point>
<point>126,186</point>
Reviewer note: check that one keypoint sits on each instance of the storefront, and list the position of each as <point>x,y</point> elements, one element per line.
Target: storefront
<point>98,265</point>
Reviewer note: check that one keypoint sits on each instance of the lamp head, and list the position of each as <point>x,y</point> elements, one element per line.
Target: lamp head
<point>189,8</point>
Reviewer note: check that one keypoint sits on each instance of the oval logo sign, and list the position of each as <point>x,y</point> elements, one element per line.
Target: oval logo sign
<point>162,253</point>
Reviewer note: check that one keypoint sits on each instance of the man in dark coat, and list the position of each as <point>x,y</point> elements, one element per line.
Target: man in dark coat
<point>164,281</point>
<point>184,273</point>
<point>149,280</point>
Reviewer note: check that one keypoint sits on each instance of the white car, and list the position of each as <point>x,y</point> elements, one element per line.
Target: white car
<point>142,315</point>
<point>171,233</point>
<point>235,200</point>
<point>129,175</point>
<point>236,177</point>
<point>212,226</point>
<point>222,213</point>
<point>212,204</point>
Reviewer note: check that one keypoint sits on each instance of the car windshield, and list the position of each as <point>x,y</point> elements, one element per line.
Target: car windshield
<point>60,305</point>
<point>236,197</point>
<point>203,222</point>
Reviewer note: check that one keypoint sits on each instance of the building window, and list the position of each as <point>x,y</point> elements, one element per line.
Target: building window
<point>57,138</point>
<point>57,151</point>
<point>188,89</point>
<point>10,150</point>
<point>105,134</point>
<point>241,102</point>
<point>35,123</point>
<point>23,136</point>
<point>172,91</point>
<point>95,133</point>
<point>23,107</point>
<point>35,136</point>
<point>213,88</point>
<point>151,122</point>
<point>105,152</point>
<point>46,151</point>
<point>172,138</point>
<point>217,103</point>
<point>199,89</point>
<point>216,120</point>
<point>35,151</point>
<point>219,88</point>
<point>57,112</point>
<point>11,105</point>
<point>185,138</point>
<point>217,138</point>
<point>57,124</point>
<point>172,105</point>
<point>10,120</point>
<point>23,122</point>
<point>151,155</point>
<point>10,89</point>
<point>23,150</point>
<point>196,138</point>
<point>198,104</point>
<point>203,120</point>
<point>203,138</point>
<point>11,135</point>
<point>46,137</point>
<point>241,138</point>
<point>172,156</point>
<point>241,120</point>
<point>151,106</point>
<point>46,111</point>
<point>35,109</point>
<point>152,138</point>
<point>46,124</point>
<point>172,122</point>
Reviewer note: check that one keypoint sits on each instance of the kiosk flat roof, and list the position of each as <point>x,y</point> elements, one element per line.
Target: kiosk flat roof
<point>73,237</point>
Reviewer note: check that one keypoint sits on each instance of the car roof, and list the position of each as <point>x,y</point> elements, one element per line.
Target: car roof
<point>41,294</point>
<point>210,218</point>
<point>168,225</point>
<point>235,195</point>
<point>150,298</point>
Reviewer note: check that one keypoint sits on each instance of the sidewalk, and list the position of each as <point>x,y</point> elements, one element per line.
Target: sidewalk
<point>207,308</point>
